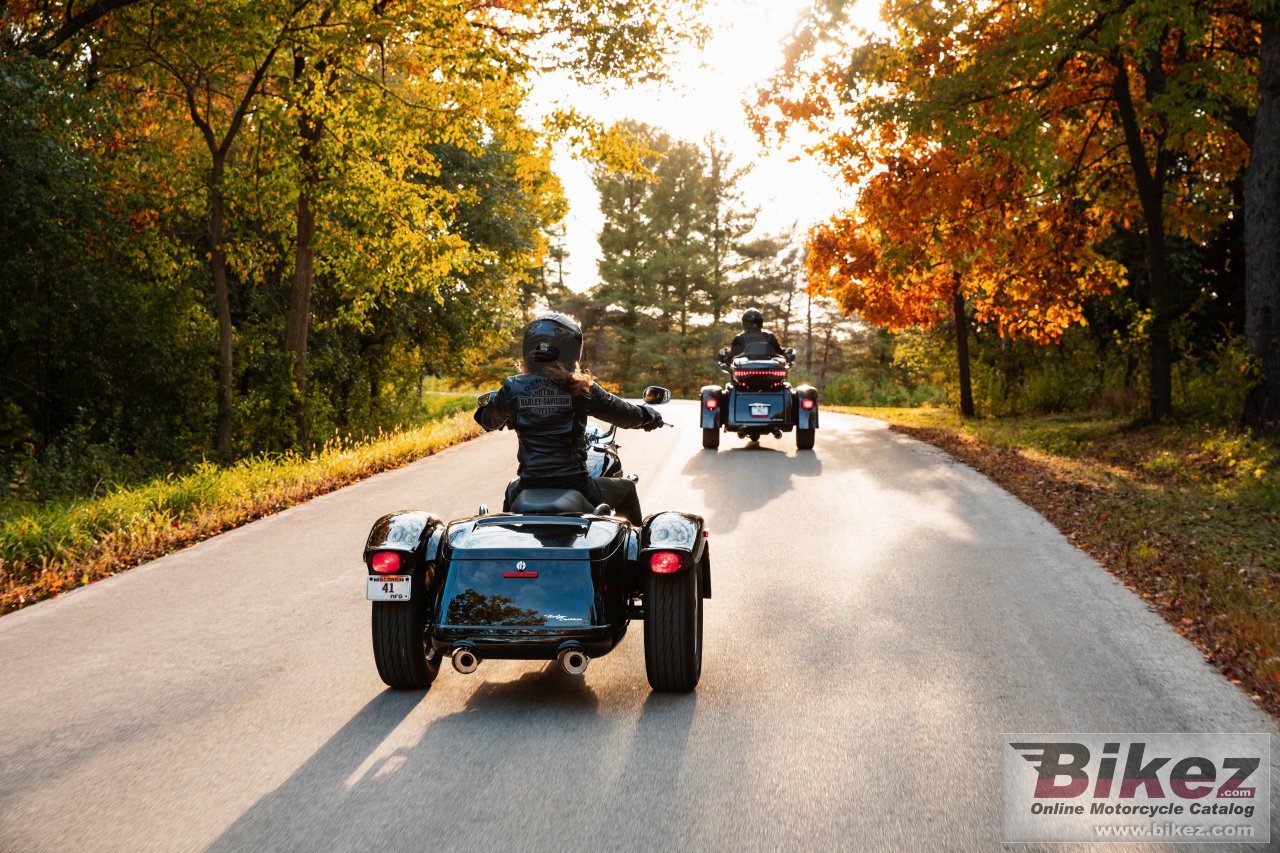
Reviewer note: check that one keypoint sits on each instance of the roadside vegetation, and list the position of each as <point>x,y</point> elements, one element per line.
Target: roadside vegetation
<point>1187,515</point>
<point>52,547</point>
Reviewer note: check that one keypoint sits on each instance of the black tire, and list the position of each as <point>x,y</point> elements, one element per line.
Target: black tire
<point>804,438</point>
<point>710,437</point>
<point>673,630</point>
<point>401,641</point>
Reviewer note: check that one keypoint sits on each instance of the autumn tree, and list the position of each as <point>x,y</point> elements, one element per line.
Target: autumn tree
<point>1118,109</point>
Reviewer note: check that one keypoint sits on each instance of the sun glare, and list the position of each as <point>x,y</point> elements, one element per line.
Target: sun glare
<point>705,95</point>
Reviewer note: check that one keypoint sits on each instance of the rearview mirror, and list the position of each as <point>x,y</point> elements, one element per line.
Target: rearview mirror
<point>791,354</point>
<point>656,395</point>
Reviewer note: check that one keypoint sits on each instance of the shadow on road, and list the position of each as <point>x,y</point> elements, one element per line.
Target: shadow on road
<point>295,815</point>
<point>457,771</point>
<point>741,480</point>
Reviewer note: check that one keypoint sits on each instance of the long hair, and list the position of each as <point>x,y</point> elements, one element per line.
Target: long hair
<point>576,382</point>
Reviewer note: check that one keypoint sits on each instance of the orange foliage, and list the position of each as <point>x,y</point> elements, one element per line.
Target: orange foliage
<point>932,219</point>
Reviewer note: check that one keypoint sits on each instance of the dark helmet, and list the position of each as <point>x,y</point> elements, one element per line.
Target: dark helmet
<point>553,337</point>
<point>752,320</point>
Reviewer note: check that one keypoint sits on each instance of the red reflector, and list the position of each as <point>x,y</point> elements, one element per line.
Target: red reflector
<point>386,562</point>
<point>519,574</point>
<point>807,404</point>
<point>711,403</point>
<point>664,562</point>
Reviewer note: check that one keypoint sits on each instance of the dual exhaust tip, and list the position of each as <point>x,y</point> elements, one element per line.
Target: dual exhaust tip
<point>572,660</point>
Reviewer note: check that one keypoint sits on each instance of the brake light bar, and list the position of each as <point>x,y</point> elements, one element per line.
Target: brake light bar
<point>738,373</point>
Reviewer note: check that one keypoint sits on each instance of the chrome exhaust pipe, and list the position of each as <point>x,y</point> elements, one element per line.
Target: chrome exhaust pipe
<point>465,660</point>
<point>573,661</point>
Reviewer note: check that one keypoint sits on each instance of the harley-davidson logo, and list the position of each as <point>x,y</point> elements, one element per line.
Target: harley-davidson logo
<point>520,566</point>
<point>546,400</point>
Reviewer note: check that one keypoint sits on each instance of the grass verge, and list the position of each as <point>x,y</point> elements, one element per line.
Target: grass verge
<point>1187,516</point>
<point>48,550</point>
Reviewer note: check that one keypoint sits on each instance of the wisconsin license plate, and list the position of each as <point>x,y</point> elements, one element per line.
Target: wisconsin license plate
<point>388,587</point>
<point>759,410</point>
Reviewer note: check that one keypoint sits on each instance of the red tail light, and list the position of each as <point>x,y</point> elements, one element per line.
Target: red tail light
<point>711,403</point>
<point>777,373</point>
<point>386,562</point>
<point>664,562</point>
<point>807,404</point>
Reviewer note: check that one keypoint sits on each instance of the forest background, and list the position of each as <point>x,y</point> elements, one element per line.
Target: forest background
<point>254,227</point>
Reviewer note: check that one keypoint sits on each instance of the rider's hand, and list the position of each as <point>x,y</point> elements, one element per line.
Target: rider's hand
<point>654,420</point>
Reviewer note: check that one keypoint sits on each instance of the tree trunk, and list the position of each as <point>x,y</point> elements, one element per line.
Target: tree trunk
<point>298,322</point>
<point>808,336</point>
<point>218,267</point>
<point>1150,183</point>
<point>1262,236</point>
<point>962,351</point>
<point>297,325</point>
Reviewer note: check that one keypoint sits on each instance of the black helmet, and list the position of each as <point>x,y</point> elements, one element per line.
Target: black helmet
<point>752,320</point>
<point>553,337</point>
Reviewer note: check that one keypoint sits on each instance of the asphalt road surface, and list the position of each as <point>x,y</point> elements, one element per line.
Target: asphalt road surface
<point>881,615</point>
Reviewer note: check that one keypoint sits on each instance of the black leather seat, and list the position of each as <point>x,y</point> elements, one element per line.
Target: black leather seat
<point>551,502</point>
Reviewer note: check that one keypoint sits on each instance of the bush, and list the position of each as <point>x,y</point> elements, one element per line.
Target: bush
<point>858,389</point>
<point>1212,390</point>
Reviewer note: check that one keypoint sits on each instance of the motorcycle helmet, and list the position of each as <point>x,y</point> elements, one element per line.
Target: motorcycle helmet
<point>752,320</point>
<point>553,337</point>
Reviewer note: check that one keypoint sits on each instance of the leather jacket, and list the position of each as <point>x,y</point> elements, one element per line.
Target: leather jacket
<point>550,423</point>
<point>741,341</point>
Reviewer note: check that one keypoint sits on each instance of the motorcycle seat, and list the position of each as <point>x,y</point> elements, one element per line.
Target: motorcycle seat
<point>551,502</point>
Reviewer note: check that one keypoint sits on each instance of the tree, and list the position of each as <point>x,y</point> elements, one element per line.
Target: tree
<point>731,222</point>
<point>1075,93</point>
<point>1262,230</point>
<point>218,60</point>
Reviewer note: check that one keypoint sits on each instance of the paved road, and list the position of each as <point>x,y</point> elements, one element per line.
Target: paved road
<point>881,615</point>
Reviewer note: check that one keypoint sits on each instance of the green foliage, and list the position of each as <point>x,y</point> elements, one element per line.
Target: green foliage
<point>50,548</point>
<point>397,126</point>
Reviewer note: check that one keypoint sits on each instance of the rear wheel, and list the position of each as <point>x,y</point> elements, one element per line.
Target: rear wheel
<point>804,438</point>
<point>673,630</point>
<point>402,640</point>
<point>710,437</point>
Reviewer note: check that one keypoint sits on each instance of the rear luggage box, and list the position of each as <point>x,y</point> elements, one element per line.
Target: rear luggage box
<point>760,407</point>
<point>517,584</point>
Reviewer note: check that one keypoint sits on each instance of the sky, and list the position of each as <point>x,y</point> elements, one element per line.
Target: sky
<point>705,96</point>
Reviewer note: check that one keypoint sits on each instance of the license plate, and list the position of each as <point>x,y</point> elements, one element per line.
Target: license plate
<point>759,410</point>
<point>388,587</point>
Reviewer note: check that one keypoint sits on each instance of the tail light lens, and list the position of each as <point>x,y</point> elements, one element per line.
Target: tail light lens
<point>711,403</point>
<point>807,404</point>
<point>386,562</point>
<point>664,562</point>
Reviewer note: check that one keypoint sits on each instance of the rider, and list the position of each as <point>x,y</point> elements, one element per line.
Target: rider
<point>548,404</point>
<point>753,332</point>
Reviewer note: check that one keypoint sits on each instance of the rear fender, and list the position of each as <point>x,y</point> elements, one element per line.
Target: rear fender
<point>713,417</point>
<point>415,534</point>
<point>680,532</point>
<point>806,418</point>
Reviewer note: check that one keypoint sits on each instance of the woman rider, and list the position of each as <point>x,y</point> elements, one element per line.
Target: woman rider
<point>548,405</point>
